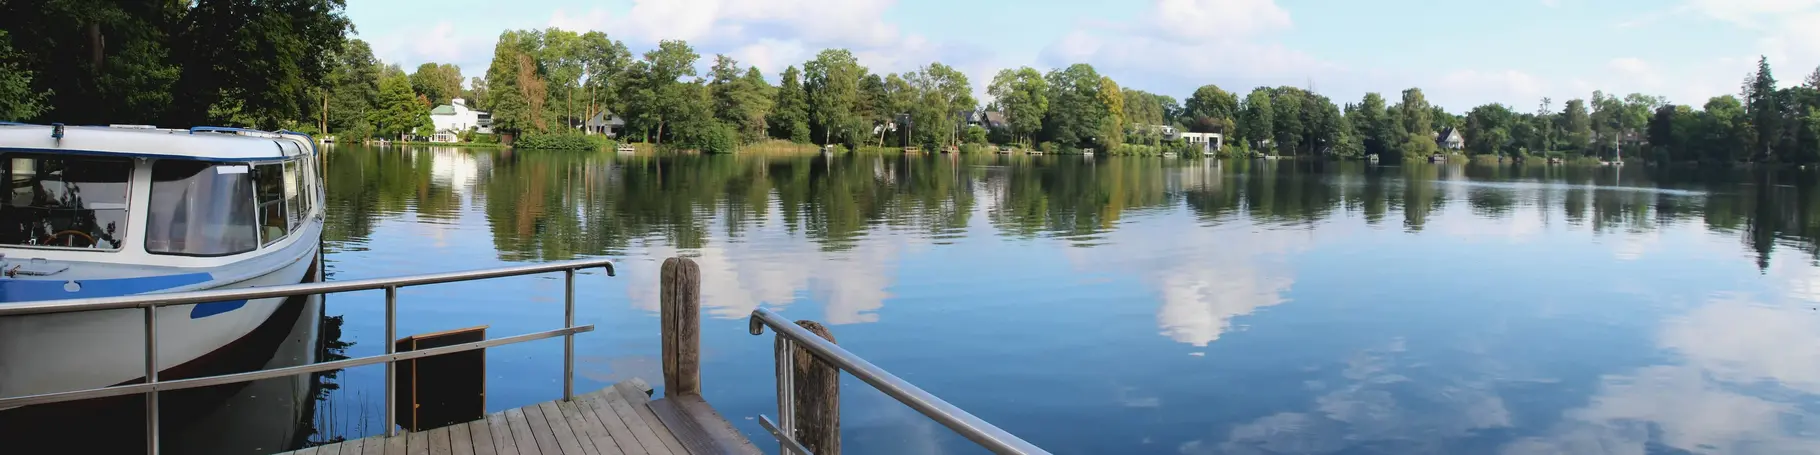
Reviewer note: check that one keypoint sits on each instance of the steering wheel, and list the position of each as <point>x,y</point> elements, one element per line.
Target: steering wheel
<point>72,233</point>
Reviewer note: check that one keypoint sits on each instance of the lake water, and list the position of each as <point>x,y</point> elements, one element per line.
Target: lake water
<point>1133,305</point>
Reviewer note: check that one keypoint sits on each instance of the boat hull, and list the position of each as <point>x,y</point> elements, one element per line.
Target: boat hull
<point>48,353</point>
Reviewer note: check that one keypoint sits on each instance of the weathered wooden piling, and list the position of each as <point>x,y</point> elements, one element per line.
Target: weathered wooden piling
<point>681,318</point>
<point>817,394</point>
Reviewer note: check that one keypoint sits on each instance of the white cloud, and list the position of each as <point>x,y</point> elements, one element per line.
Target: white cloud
<point>1461,89</point>
<point>1751,13</point>
<point>440,43</point>
<point>1199,20</point>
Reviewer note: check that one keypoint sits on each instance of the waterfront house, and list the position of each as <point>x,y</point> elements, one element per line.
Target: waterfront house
<point>453,118</point>
<point>606,123</point>
<point>1208,142</point>
<point>1450,139</point>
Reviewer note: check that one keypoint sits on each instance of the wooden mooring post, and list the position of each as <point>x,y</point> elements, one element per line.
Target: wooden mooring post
<point>680,311</point>
<point>817,395</point>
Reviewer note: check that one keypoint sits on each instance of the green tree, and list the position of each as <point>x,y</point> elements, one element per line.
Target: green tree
<point>740,99</point>
<point>399,112</point>
<point>1765,115</point>
<point>789,117</point>
<point>249,60</point>
<point>1288,120</point>
<point>1418,122</point>
<point>515,91</point>
<point>604,63</point>
<point>1576,125</point>
<point>1724,135</point>
<point>1258,122</point>
<point>1373,125</point>
<point>1075,111</point>
<point>831,81</point>
<point>1023,94</point>
<point>1491,126</point>
<point>439,83</point>
<point>18,101</point>
<point>940,93</point>
<point>353,86</point>
<point>1112,123</point>
<point>655,95</point>
<point>1211,110</point>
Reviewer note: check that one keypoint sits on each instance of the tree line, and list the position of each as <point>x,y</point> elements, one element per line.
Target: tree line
<point>291,64</point>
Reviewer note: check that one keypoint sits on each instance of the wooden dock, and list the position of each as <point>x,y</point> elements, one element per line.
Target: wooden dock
<point>618,420</point>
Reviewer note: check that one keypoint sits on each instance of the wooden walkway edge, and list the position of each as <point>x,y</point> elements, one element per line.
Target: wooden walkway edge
<point>617,420</point>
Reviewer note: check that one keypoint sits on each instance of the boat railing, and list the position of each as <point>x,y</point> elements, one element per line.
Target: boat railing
<point>150,302</point>
<point>791,336</point>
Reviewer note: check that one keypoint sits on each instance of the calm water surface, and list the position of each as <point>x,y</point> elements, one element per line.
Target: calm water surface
<point>1134,305</point>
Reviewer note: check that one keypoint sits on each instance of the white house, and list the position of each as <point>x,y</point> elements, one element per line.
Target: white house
<point>1209,142</point>
<point>452,119</point>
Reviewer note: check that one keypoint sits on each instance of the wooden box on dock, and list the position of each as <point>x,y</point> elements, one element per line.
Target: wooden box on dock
<point>441,390</point>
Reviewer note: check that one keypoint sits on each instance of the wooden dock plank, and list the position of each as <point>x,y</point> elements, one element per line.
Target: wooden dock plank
<point>503,442</point>
<point>565,435</point>
<point>730,439</point>
<point>439,440</point>
<point>521,433</point>
<point>618,420</point>
<point>635,389</point>
<point>588,428</point>
<point>622,435</point>
<point>640,429</point>
<point>482,438</point>
<point>693,437</point>
<point>373,446</point>
<point>397,445</point>
<point>700,428</point>
<point>459,442</point>
<point>540,427</point>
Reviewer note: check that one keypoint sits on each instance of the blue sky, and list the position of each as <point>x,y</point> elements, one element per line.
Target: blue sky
<point>1461,53</point>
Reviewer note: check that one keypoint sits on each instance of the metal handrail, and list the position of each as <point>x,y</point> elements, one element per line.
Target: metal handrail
<point>150,302</point>
<point>973,428</point>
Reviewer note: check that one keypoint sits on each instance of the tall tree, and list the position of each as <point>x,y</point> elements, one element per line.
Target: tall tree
<point>740,99</point>
<point>1576,124</point>
<point>1287,106</point>
<point>246,61</point>
<point>832,83</point>
<point>789,117</point>
<point>1075,111</point>
<point>940,94</point>
<point>657,96</point>
<point>516,102</point>
<point>1112,124</point>
<point>353,87</point>
<point>439,83</point>
<point>1491,126</point>
<point>1373,125</point>
<point>1211,108</point>
<point>1765,115</point>
<point>1258,122</point>
<point>1023,94</point>
<point>399,112</point>
<point>604,65</point>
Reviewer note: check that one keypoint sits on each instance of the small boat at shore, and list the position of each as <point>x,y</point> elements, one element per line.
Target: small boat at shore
<point>625,148</point>
<point>92,212</point>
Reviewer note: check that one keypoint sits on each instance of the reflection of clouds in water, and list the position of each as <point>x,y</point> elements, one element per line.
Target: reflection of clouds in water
<point>1745,365</point>
<point>769,266</point>
<point>452,169</point>
<point>1379,407</point>
<point>1203,277</point>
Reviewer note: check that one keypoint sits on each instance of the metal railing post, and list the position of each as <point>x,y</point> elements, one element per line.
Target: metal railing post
<point>786,391</point>
<point>391,367</point>
<point>568,341</point>
<point>151,377</point>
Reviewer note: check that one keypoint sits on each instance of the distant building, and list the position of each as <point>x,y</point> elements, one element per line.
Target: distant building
<point>990,120</point>
<point>1209,142</point>
<point>453,118</point>
<point>606,123</point>
<point>1450,139</point>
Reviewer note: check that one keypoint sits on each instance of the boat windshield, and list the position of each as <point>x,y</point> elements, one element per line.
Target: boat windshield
<point>63,201</point>
<point>201,208</point>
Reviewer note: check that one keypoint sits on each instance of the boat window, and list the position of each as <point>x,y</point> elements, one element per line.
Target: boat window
<point>64,201</point>
<point>293,194</point>
<point>273,225</point>
<point>200,208</point>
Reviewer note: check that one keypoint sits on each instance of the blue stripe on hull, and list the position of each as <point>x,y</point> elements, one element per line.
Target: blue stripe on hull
<point>203,310</point>
<point>29,290</point>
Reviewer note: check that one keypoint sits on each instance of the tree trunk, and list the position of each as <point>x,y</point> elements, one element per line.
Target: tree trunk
<point>660,131</point>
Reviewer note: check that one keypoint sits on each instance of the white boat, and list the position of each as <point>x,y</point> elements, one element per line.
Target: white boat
<point>97,212</point>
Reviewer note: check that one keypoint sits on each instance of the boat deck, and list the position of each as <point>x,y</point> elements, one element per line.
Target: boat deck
<point>617,420</point>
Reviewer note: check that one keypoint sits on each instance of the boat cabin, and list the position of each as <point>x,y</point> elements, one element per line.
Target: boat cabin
<point>141,195</point>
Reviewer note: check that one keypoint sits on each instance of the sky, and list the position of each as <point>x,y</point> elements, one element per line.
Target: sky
<point>1460,53</point>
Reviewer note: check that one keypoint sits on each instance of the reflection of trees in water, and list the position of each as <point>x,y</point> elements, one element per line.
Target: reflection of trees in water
<point>367,184</point>
<point>328,423</point>
<point>548,205</point>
